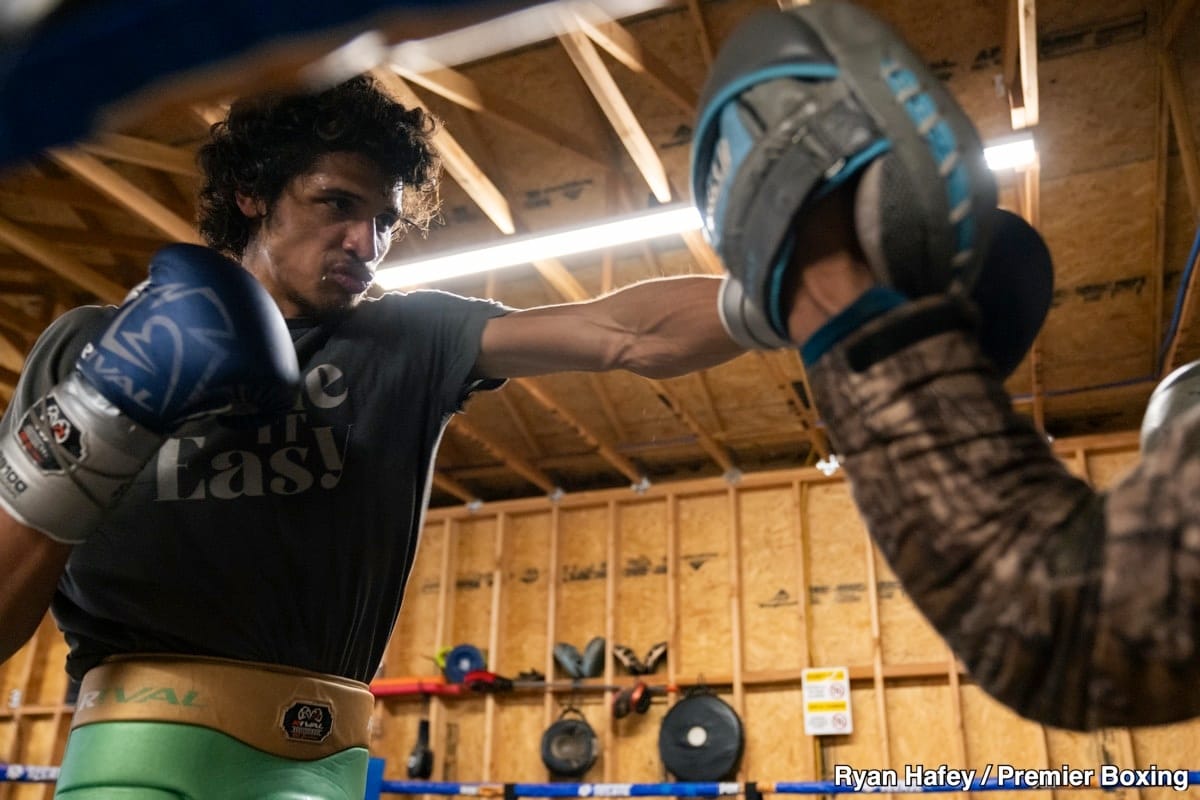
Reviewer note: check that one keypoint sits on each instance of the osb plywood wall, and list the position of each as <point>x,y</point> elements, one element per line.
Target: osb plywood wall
<point>747,584</point>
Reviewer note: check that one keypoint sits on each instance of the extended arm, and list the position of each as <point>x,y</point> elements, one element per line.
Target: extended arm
<point>658,329</point>
<point>1077,609</point>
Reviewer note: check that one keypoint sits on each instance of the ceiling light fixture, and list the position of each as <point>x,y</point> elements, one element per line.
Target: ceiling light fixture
<point>665,221</point>
<point>1011,153</point>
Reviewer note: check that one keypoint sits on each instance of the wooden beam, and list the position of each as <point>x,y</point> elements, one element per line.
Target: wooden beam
<point>1179,14</point>
<point>104,240</point>
<point>1186,138</point>
<point>808,418</point>
<point>622,46</point>
<point>519,422</point>
<point>9,378</point>
<point>1020,63</point>
<point>715,451</point>
<point>461,90</point>
<point>209,114</point>
<point>104,178</point>
<point>16,321</point>
<point>459,164</point>
<point>143,152</point>
<point>69,193</point>
<point>1182,125</point>
<point>605,449</point>
<point>702,34</point>
<point>513,461</point>
<point>555,273</point>
<point>1162,152</point>
<point>70,269</point>
<point>452,487</point>
<point>616,108</point>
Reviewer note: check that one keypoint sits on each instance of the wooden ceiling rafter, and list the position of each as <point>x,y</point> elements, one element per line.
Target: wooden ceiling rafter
<point>466,173</point>
<point>93,239</point>
<point>1182,126</point>
<point>703,37</point>
<point>15,337</point>
<point>1180,12</point>
<point>65,192</point>
<point>65,266</point>
<point>804,411</point>
<point>604,448</point>
<point>21,288</point>
<point>511,460</point>
<point>1020,63</point>
<point>617,110</point>
<point>1190,161</point>
<point>99,175</point>
<point>521,424</point>
<point>461,90</point>
<point>20,322</point>
<point>716,451</point>
<point>143,152</point>
<point>618,42</point>
<point>450,486</point>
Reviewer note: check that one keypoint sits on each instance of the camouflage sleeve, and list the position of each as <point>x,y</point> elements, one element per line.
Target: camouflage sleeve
<point>1074,608</point>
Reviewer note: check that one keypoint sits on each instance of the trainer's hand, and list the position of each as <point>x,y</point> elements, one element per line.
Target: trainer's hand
<point>200,338</point>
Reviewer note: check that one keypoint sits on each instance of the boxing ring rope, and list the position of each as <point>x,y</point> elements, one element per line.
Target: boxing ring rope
<point>377,786</point>
<point>749,789</point>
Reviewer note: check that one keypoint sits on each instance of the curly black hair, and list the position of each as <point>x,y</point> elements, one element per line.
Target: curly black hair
<point>268,140</point>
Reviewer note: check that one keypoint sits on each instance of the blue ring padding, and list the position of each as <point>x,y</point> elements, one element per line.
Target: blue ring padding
<point>732,90</point>
<point>698,789</point>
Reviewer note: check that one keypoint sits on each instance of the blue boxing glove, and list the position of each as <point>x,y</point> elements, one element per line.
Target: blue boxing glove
<point>201,337</point>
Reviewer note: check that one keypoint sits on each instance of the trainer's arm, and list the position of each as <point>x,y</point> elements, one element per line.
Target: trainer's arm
<point>1075,608</point>
<point>33,564</point>
<point>658,328</point>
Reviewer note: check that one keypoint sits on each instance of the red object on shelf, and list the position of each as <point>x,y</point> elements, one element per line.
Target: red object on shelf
<point>426,685</point>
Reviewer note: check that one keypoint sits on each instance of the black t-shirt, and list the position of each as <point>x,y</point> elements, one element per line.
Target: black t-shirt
<point>289,543</point>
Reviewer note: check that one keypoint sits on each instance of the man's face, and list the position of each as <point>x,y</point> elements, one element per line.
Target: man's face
<point>316,251</point>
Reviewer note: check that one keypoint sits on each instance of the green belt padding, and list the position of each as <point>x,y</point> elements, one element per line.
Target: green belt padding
<point>171,761</point>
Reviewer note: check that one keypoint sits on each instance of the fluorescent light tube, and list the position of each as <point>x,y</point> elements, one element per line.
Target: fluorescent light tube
<point>666,221</point>
<point>1011,153</point>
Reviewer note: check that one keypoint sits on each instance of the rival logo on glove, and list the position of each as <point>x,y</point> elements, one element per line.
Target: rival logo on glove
<point>39,449</point>
<point>148,385</point>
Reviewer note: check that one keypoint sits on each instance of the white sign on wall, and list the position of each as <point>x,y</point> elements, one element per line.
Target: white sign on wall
<point>827,701</point>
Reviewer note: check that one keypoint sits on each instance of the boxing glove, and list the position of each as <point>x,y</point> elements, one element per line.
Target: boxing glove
<point>199,338</point>
<point>803,101</point>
